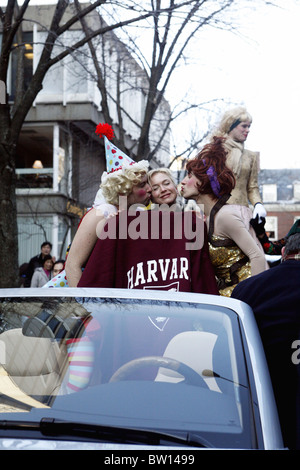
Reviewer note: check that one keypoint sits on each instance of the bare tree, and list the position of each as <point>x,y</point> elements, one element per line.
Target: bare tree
<point>167,35</point>
<point>172,27</point>
<point>13,116</point>
<point>160,45</point>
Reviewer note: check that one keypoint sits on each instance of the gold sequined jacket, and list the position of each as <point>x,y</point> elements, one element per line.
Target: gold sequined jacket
<point>244,164</point>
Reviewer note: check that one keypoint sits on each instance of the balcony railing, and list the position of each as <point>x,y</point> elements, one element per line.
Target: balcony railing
<point>34,178</point>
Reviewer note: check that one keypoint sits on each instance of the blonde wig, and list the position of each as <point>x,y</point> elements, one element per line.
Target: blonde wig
<point>166,171</point>
<point>121,183</point>
<point>230,119</point>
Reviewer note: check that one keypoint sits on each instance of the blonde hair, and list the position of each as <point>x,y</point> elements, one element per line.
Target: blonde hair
<point>229,118</point>
<point>121,184</point>
<point>161,170</point>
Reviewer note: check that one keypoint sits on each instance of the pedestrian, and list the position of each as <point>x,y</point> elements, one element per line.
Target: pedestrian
<point>234,127</point>
<point>233,246</point>
<point>43,274</point>
<point>58,266</point>
<point>58,275</point>
<point>274,297</point>
<point>37,262</point>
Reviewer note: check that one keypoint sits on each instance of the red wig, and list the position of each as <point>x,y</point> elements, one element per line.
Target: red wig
<point>212,159</point>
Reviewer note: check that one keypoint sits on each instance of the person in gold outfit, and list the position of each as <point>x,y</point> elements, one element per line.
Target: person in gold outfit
<point>234,249</point>
<point>234,127</point>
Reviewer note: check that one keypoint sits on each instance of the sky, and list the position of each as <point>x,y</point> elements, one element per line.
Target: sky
<point>258,68</point>
<point>273,92</point>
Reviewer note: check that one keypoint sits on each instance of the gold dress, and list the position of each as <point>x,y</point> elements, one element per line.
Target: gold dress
<point>230,265</point>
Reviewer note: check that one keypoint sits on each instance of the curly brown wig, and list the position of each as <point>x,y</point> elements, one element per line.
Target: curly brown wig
<point>212,157</point>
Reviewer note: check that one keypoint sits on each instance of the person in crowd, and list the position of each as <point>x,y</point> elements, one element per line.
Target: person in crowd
<point>58,277</point>
<point>234,127</point>
<point>235,252</point>
<point>274,297</point>
<point>123,177</point>
<point>37,262</point>
<point>58,266</point>
<point>43,274</point>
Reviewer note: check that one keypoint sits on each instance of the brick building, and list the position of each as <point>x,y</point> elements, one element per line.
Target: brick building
<point>280,190</point>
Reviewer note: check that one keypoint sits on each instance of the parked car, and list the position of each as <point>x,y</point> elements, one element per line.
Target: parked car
<point>146,369</point>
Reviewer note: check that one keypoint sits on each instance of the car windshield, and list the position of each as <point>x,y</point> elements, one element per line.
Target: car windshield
<point>176,367</point>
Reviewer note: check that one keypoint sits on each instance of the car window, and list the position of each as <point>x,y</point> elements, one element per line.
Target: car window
<point>168,366</point>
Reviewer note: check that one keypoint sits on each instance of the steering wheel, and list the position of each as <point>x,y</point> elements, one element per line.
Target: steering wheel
<point>191,376</point>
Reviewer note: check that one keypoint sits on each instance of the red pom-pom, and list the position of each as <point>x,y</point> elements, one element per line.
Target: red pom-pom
<point>105,130</point>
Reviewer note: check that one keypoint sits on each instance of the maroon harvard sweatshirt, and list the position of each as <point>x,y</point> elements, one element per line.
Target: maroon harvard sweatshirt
<point>152,250</point>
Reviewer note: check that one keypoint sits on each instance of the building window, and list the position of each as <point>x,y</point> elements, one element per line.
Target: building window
<point>43,158</point>
<point>269,192</point>
<point>271,227</point>
<point>34,230</point>
<point>297,191</point>
<point>34,161</point>
<point>21,63</point>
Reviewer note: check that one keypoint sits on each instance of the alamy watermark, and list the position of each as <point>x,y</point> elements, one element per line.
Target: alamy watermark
<point>2,92</point>
<point>154,224</point>
<point>296,354</point>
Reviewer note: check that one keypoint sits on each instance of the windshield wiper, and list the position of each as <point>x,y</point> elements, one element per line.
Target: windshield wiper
<point>54,428</point>
<point>57,428</point>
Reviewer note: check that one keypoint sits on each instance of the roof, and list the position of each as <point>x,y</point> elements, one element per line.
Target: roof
<point>283,178</point>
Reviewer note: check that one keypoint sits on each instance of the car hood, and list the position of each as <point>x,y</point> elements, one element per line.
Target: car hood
<point>42,444</point>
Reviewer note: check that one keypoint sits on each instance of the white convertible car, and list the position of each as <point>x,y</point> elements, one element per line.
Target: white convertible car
<point>132,369</point>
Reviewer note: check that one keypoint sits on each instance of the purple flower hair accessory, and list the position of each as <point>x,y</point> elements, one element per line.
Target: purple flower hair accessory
<point>215,185</point>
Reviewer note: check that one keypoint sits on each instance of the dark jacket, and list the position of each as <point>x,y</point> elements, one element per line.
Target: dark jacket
<point>274,296</point>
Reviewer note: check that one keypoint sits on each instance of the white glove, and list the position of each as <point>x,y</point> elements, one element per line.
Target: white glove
<point>260,211</point>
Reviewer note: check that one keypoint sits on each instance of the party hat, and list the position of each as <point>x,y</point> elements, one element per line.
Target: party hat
<point>116,160</point>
